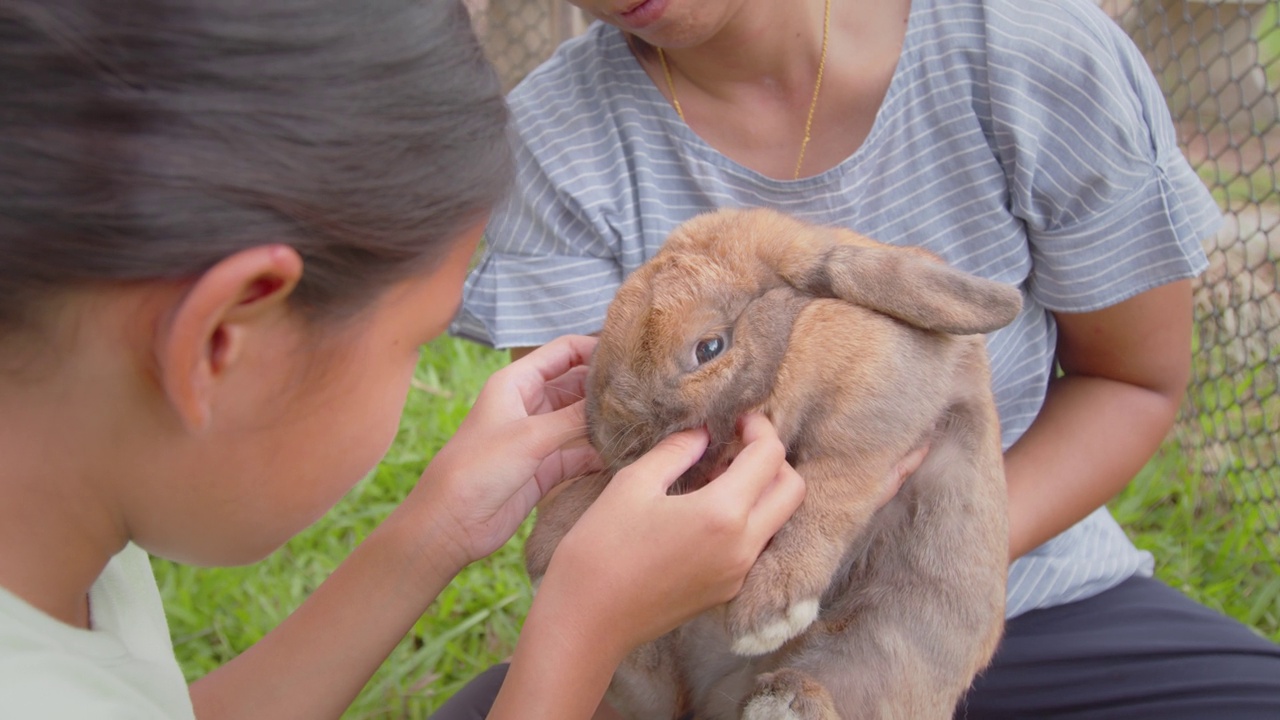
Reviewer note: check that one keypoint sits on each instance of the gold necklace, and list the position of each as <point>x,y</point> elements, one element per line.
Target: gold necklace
<point>813,104</point>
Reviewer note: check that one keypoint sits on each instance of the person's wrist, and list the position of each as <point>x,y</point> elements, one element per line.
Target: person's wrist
<point>427,542</point>
<point>563,662</point>
<point>568,602</point>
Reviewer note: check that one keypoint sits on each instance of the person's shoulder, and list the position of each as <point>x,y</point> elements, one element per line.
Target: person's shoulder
<point>578,68</point>
<point>1052,26</point>
<point>1019,42</point>
<point>48,670</point>
<point>585,102</point>
<point>40,676</point>
<point>1056,52</point>
<point>39,682</point>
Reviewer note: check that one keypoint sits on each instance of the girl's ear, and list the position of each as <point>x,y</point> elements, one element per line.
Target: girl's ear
<point>205,334</point>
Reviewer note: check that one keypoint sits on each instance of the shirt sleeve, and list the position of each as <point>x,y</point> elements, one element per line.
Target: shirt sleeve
<point>551,260</point>
<point>547,268</point>
<point>1111,206</point>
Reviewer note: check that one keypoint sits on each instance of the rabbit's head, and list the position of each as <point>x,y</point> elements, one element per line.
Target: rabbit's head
<point>695,336</point>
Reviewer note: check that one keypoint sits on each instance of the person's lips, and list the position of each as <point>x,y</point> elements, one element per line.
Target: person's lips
<point>642,14</point>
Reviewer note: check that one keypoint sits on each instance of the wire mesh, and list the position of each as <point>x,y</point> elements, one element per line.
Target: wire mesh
<point>519,34</point>
<point>1219,64</point>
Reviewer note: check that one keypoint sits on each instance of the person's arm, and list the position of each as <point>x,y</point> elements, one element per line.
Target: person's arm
<point>1124,371</point>
<point>625,572</point>
<point>315,663</point>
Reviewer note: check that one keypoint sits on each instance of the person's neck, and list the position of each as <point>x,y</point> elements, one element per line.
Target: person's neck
<point>56,533</point>
<point>776,44</point>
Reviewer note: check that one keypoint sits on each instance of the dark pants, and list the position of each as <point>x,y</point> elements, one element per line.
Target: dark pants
<point>473,701</point>
<point>1140,650</point>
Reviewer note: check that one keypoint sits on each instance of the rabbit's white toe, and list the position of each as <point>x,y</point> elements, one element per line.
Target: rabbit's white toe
<point>770,637</point>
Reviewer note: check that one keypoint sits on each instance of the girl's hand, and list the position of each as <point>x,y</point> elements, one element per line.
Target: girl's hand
<point>524,435</point>
<point>640,562</point>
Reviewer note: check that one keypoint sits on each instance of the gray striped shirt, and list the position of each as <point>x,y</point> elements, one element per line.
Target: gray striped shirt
<point>1024,141</point>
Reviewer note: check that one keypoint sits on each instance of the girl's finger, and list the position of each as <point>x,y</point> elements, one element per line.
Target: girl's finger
<point>531,373</point>
<point>755,426</point>
<point>668,460</point>
<point>542,435</point>
<point>756,465</point>
<point>566,389</point>
<point>574,461</point>
<point>776,504</point>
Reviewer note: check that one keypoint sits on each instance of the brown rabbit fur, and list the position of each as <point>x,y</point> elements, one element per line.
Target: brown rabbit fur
<point>859,353</point>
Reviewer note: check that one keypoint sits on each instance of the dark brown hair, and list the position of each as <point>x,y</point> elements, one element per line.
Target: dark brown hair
<point>145,139</point>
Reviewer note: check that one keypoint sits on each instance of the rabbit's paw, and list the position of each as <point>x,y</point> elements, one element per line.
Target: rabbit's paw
<point>779,598</point>
<point>789,695</point>
<point>768,630</point>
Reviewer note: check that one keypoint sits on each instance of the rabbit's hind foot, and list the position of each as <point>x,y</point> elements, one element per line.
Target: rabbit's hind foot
<point>789,695</point>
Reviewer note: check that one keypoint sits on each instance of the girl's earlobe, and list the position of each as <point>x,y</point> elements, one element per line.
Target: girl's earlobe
<point>229,306</point>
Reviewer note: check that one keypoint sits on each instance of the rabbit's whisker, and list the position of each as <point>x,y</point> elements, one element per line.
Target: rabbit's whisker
<point>576,396</point>
<point>614,446</point>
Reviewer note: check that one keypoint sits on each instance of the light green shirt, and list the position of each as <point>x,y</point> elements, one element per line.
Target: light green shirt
<point>124,667</point>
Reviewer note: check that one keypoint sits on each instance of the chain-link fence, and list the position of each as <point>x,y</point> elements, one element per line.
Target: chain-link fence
<point>520,34</point>
<point>1219,63</point>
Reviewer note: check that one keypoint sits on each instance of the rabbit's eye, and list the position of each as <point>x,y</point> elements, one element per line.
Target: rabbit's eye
<point>708,348</point>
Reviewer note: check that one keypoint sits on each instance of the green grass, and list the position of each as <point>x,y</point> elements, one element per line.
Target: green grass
<point>1203,547</point>
<point>1229,187</point>
<point>1269,44</point>
<point>1210,548</point>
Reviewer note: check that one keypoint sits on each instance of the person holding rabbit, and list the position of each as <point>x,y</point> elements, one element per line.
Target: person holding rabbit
<point>220,224</point>
<point>1026,142</point>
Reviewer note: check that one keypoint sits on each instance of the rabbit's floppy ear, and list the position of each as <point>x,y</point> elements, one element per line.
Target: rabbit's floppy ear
<point>909,284</point>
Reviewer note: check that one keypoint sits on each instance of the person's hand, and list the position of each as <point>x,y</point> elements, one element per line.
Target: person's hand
<point>899,473</point>
<point>640,562</point>
<point>525,434</point>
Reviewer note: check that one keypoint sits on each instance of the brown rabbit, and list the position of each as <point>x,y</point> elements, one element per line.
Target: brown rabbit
<point>859,353</point>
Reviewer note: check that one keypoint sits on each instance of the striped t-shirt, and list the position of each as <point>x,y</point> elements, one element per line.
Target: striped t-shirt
<point>1022,140</point>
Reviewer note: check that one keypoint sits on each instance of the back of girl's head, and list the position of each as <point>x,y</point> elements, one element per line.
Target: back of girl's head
<point>148,139</point>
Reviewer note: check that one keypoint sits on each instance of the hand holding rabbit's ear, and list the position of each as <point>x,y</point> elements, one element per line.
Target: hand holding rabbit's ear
<point>525,434</point>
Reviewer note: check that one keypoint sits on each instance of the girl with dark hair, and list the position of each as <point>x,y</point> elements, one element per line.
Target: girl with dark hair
<point>225,229</point>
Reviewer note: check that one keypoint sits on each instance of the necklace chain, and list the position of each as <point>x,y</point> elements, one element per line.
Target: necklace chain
<point>813,104</point>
